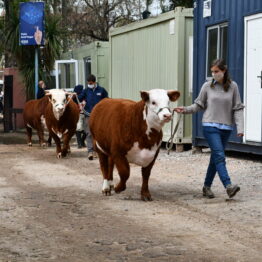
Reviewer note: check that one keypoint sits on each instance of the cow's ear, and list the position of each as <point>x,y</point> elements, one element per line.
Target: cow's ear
<point>144,95</point>
<point>173,95</point>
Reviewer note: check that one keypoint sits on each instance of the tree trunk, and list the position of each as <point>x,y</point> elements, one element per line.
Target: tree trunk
<point>64,23</point>
<point>9,60</point>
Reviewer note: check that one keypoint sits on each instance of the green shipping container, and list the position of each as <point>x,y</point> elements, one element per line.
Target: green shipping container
<point>155,53</point>
<point>90,59</point>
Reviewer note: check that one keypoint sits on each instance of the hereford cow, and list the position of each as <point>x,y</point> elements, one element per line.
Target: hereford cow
<point>33,115</point>
<point>61,116</point>
<point>126,132</point>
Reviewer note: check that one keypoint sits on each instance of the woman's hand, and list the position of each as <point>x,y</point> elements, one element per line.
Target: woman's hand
<point>179,109</point>
<point>240,134</point>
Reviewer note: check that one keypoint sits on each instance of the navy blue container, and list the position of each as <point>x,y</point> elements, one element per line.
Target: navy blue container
<point>232,13</point>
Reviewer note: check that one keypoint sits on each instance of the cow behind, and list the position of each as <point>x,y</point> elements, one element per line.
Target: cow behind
<point>126,132</point>
<point>61,117</point>
<point>33,115</point>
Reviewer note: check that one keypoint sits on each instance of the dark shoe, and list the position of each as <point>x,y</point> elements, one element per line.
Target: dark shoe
<point>232,190</point>
<point>90,155</point>
<point>207,192</point>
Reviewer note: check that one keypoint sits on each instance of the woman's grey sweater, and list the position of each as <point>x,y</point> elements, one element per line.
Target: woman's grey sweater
<point>219,106</point>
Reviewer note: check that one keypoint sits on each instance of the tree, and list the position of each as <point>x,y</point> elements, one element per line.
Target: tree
<point>7,4</point>
<point>84,21</point>
<point>98,16</point>
<point>172,4</point>
<point>185,3</point>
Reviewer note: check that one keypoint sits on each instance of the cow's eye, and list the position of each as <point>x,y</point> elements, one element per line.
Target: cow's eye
<point>54,100</point>
<point>153,102</point>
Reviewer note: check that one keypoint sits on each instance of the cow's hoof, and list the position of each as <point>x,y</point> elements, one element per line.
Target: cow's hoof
<point>107,187</point>
<point>43,145</point>
<point>106,192</point>
<point>146,197</point>
<point>119,188</point>
<point>59,155</point>
<point>64,153</point>
<point>29,144</point>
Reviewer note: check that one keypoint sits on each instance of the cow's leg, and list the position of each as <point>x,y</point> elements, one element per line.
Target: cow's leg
<point>123,169</point>
<point>146,171</point>
<point>103,160</point>
<point>106,168</point>
<point>58,144</point>
<point>110,172</point>
<point>49,141</point>
<point>40,132</point>
<point>29,135</point>
<point>66,148</point>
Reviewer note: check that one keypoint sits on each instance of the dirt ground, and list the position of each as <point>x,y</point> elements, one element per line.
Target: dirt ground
<point>53,210</point>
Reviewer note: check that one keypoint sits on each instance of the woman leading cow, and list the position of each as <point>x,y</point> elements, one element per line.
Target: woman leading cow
<point>221,103</point>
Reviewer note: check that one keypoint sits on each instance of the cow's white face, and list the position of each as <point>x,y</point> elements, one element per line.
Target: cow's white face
<point>157,102</point>
<point>58,99</point>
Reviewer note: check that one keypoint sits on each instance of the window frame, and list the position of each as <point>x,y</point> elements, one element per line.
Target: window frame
<point>218,27</point>
<point>87,60</point>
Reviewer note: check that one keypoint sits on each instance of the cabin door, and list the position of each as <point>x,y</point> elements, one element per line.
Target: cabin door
<point>253,78</point>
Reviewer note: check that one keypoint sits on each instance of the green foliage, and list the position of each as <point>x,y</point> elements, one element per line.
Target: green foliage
<point>185,3</point>
<point>53,37</point>
<point>172,4</point>
<point>25,55</point>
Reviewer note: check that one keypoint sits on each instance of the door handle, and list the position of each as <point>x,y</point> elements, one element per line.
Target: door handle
<point>260,78</point>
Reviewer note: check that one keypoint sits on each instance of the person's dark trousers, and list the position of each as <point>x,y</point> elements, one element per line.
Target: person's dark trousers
<point>217,140</point>
<point>83,138</point>
<point>79,138</point>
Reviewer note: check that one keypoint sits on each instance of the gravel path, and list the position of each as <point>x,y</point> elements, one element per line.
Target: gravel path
<point>53,210</point>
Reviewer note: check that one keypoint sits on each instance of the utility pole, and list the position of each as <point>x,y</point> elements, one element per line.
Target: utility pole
<point>36,69</point>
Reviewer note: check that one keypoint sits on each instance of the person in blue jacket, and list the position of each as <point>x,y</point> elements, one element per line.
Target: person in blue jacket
<point>92,95</point>
<point>81,124</point>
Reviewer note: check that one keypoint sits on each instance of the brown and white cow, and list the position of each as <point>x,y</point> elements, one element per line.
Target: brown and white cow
<point>33,115</point>
<point>126,132</point>
<point>61,116</point>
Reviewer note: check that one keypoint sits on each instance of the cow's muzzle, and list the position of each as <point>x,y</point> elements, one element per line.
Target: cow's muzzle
<point>166,117</point>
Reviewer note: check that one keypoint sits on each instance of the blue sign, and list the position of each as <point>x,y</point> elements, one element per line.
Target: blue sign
<point>31,27</point>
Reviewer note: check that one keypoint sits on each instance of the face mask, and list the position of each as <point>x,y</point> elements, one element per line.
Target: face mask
<point>218,76</point>
<point>91,86</point>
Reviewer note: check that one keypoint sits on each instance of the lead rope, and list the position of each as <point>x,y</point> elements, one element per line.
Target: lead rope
<point>85,112</point>
<point>70,98</point>
<point>170,142</point>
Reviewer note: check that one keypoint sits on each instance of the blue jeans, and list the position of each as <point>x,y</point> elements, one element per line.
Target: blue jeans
<point>217,140</point>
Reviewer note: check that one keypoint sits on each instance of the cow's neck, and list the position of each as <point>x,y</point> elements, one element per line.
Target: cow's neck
<point>152,121</point>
